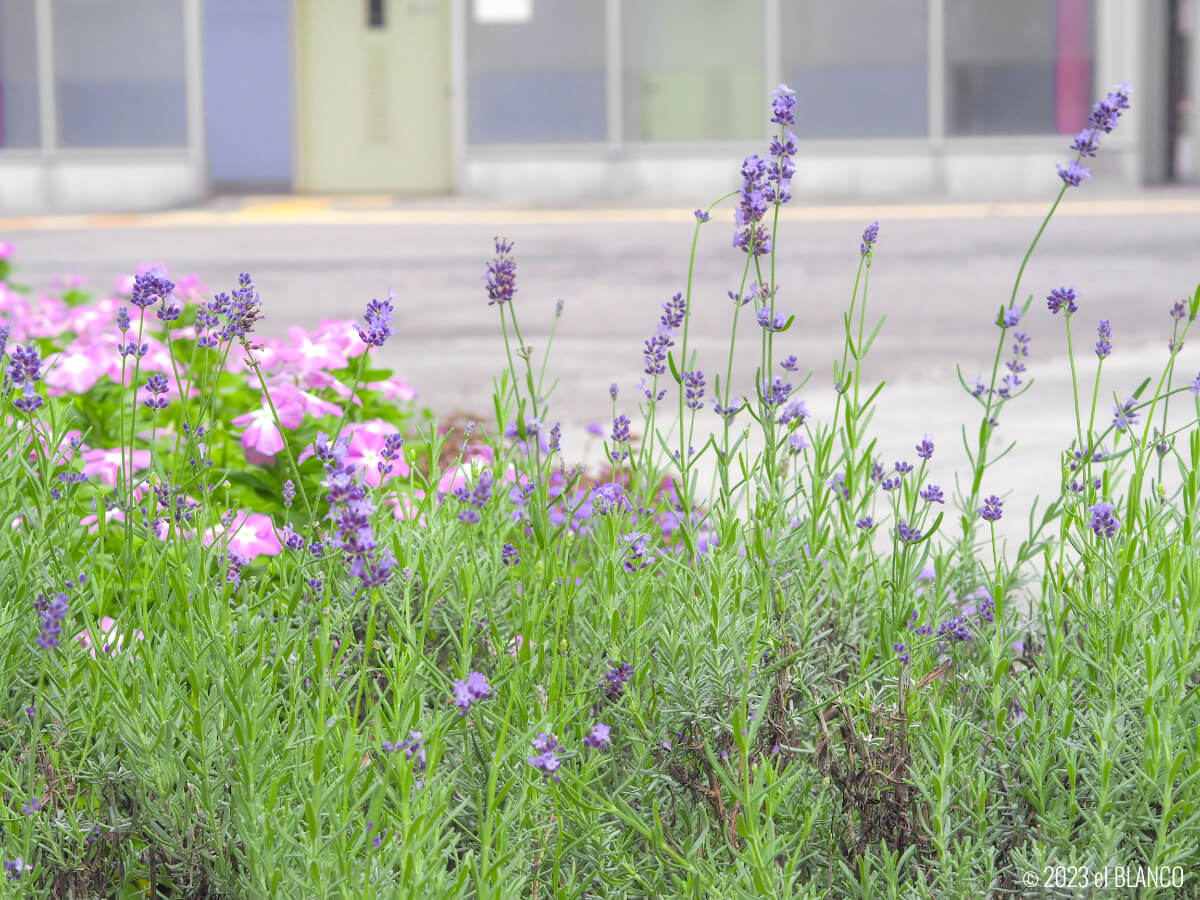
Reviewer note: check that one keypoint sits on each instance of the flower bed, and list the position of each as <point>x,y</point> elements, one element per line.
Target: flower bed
<point>266,630</point>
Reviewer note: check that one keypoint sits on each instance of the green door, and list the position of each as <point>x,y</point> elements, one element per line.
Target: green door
<point>373,95</point>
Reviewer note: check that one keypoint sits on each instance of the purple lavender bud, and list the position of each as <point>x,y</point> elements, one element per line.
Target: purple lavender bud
<point>866,523</point>
<point>674,311</point>
<point>377,322</point>
<point>1085,143</point>
<point>1073,174</point>
<point>925,448</point>
<point>869,237</point>
<point>52,613</point>
<point>620,430</point>
<point>774,325</point>
<point>289,493</point>
<point>559,305</point>
<point>509,555</point>
<point>783,106</point>
<point>890,483</point>
<point>613,683</point>
<point>901,655</point>
<point>694,386</point>
<point>1009,317</point>
<point>1126,415</point>
<point>501,274</point>
<point>992,509</point>
<point>1062,298</point>
<point>933,494</point>
<point>903,467</point>
<point>702,216</point>
<point>123,319</point>
<point>907,533</point>
<point>150,288</point>
<point>598,737</point>
<point>1104,344</point>
<point>31,806</point>
<point>471,690</point>
<point>1179,310</point>
<point>1103,523</point>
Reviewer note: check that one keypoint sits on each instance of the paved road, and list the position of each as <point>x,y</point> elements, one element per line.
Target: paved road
<point>940,274</point>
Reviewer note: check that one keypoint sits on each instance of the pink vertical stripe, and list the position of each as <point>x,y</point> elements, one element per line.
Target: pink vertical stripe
<point>1072,64</point>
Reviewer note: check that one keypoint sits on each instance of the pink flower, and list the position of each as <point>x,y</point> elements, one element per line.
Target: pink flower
<point>316,351</point>
<point>111,514</point>
<point>249,534</point>
<point>287,393</point>
<point>112,639</point>
<point>407,508</point>
<point>341,333</point>
<point>6,250</point>
<point>261,435</point>
<point>106,464</point>
<point>76,370</point>
<point>364,453</point>
<point>393,389</point>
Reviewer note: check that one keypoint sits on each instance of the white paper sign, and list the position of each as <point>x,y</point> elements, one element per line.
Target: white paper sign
<point>496,12</point>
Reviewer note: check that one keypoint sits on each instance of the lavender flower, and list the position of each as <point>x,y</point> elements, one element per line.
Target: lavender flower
<point>509,555</point>
<point>869,237</point>
<point>471,690</point>
<point>351,510</point>
<point>1126,415</point>
<point>31,806</point>
<point>413,747</point>
<point>1010,316</point>
<point>674,311</point>
<point>789,364</point>
<point>613,683</point>
<point>992,509</point>
<point>1105,114</point>
<point>1086,142</point>
<point>750,235</point>
<point>377,322</point>
<point>16,868</point>
<point>1104,344</point>
<point>289,493</point>
<point>728,412</point>
<point>123,319</point>
<point>890,483</point>
<point>608,498</point>
<point>51,613</point>
<point>1062,298</point>
<point>157,385</point>
<point>559,305</point>
<point>694,384</point>
<point>783,106</point>
<point>598,737</point>
<point>546,761</point>
<point>702,216</point>
<point>903,467</point>
<point>24,371</point>
<point>1179,310</point>
<point>612,390</point>
<point>1194,387</point>
<point>866,523</point>
<point>1073,174</point>
<point>152,287</point>
<point>774,325</point>
<point>620,435</point>
<point>925,448</point>
<point>636,557</point>
<point>932,493</point>
<point>501,274</point>
<point>907,533</point>
<point>1103,523</point>
<point>901,653</point>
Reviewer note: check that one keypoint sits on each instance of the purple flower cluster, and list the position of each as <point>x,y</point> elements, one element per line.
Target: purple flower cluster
<point>289,493</point>
<point>932,493</point>
<point>152,287</point>
<point>1103,523</point>
<point>620,436</point>
<point>637,556</point>
<point>240,309</point>
<point>509,555</point>
<point>1104,339</point>
<point>925,448</point>
<point>750,234</point>
<point>693,383</point>
<point>1062,298</point>
<point>413,747</point>
<point>350,509</point>
<point>546,760</point>
<point>501,274</point>
<point>156,385</point>
<point>869,237</point>
<point>907,533</point>
<point>52,613</point>
<point>478,496</point>
<point>613,682</point>
<point>993,509</point>
<point>599,737</point>
<point>123,319</point>
<point>1125,415</point>
<point>1103,119</point>
<point>470,690</point>
<point>767,323</point>
<point>24,371</point>
<point>728,412</point>
<point>608,498</point>
<point>377,322</point>
<point>15,868</point>
<point>775,393</point>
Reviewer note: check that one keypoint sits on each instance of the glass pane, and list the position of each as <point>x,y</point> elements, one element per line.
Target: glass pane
<point>693,70</point>
<point>1018,67</point>
<point>859,69</point>
<point>535,71</point>
<point>18,75</point>
<point>119,72</point>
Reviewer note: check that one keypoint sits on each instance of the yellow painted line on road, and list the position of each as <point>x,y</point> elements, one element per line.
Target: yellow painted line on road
<point>373,210</point>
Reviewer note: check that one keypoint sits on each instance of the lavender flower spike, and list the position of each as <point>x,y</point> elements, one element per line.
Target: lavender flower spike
<point>377,327</point>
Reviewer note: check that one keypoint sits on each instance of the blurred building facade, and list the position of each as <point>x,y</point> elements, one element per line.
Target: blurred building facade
<point>133,104</point>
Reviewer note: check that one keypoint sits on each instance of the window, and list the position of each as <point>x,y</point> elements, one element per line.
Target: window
<point>859,69</point>
<point>1018,67</point>
<point>693,70</point>
<point>535,71</point>
<point>119,72</point>
<point>19,126</point>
